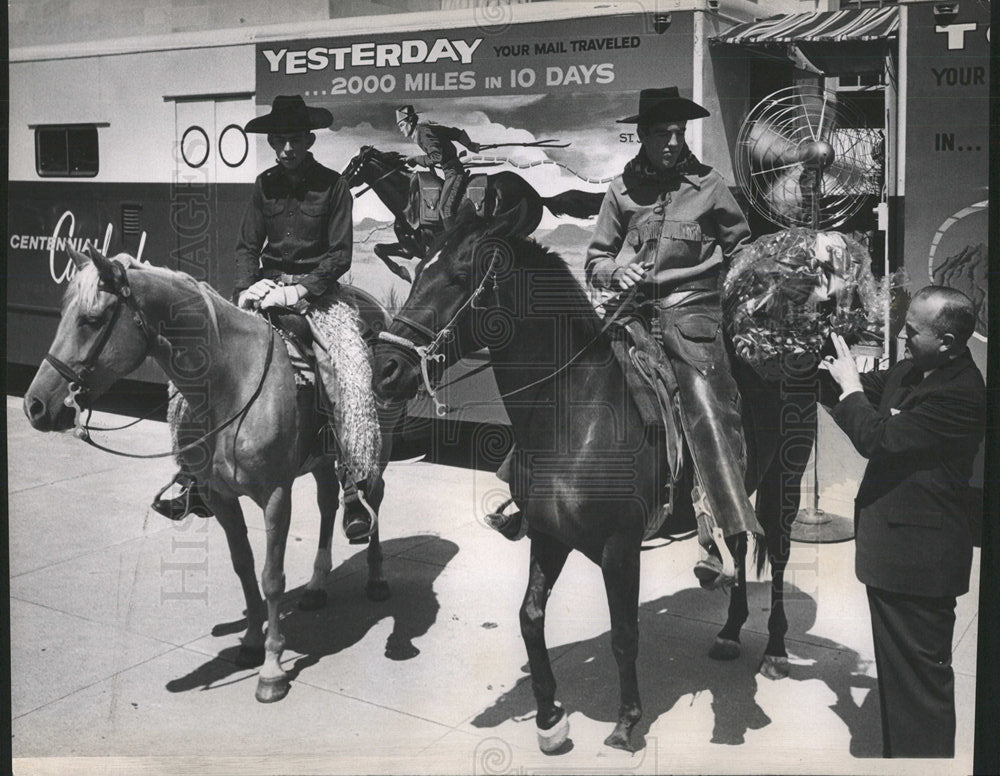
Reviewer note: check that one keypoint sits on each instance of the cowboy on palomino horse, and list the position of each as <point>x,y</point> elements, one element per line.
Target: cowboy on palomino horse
<point>295,242</point>
<point>677,214</point>
<point>437,141</point>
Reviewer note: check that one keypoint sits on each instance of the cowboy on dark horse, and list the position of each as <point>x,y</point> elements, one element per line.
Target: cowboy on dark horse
<point>437,141</point>
<point>677,214</point>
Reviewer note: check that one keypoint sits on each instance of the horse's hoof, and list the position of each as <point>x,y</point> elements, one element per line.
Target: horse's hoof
<point>619,739</point>
<point>312,600</point>
<point>377,590</point>
<point>552,739</point>
<point>270,690</point>
<point>774,667</point>
<point>250,657</point>
<point>724,649</point>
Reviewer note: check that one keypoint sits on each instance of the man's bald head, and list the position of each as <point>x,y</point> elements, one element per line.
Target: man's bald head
<point>954,312</point>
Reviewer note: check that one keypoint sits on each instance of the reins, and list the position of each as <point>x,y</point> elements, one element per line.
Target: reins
<point>77,379</point>
<point>430,352</point>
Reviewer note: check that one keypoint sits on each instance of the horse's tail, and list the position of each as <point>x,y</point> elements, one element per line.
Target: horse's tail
<point>760,554</point>
<point>575,203</point>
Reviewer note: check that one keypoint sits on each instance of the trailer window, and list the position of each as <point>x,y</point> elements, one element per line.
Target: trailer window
<point>66,151</point>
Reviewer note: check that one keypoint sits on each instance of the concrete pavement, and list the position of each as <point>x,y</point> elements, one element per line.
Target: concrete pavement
<point>124,628</point>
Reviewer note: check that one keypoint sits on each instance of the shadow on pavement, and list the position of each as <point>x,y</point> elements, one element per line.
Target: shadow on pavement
<point>347,616</point>
<point>673,663</point>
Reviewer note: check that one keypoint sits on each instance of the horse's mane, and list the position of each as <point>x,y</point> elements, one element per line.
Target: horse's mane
<point>563,291</point>
<point>391,158</point>
<point>85,287</point>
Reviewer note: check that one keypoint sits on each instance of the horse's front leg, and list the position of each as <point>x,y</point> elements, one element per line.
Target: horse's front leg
<point>272,684</point>
<point>547,560</point>
<point>727,643</point>
<point>778,498</point>
<point>620,567</point>
<point>377,587</point>
<point>230,517</point>
<point>328,499</point>
<point>390,418</point>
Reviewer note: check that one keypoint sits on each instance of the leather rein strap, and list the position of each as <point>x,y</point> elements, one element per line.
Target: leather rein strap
<point>77,379</point>
<point>429,352</point>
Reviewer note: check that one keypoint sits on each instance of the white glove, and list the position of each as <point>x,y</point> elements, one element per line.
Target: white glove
<point>283,296</point>
<point>255,293</point>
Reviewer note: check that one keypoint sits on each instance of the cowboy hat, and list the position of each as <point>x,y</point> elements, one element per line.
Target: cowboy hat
<point>290,114</point>
<point>405,113</point>
<point>664,105</point>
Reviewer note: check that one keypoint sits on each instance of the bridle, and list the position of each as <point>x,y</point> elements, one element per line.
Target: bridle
<point>79,387</point>
<point>78,379</point>
<point>431,351</point>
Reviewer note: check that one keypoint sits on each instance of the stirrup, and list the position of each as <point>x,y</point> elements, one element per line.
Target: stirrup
<point>357,529</point>
<point>188,501</point>
<point>512,526</point>
<point>714,572</point>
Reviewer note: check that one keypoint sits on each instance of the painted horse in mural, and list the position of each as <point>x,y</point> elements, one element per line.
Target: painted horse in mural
<point>386,173</point>
<point>589,473</point>
<point>248,430</point>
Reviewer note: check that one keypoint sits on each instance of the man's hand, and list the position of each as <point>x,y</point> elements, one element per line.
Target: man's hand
<point>632,274</point>
<point>842,367</point>
<point>283,296</point>
<point>474,147</point>
<point>252,296</point>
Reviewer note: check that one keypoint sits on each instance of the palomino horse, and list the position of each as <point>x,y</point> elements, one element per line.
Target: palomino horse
<point>589,474</point>
<point>386,173</point>
<point>248,431</point>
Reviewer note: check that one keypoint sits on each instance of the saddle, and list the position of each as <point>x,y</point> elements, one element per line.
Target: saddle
<point>425,194</point>
<point>653,388</point>
<point>295,333</point>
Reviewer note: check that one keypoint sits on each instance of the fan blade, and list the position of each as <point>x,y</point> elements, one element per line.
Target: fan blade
<point>817,110</point>
<point>769,146</point>
<point>784,197</point>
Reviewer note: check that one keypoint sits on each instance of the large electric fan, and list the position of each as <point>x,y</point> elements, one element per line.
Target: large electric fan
<point>804,158</point>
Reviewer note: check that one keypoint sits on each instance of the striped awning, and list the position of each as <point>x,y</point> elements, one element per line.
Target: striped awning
<point>824,26</point>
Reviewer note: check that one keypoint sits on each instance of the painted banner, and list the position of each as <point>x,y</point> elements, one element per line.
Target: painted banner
<point>554,58</point>
<point>947,154</point>
<point>567,81</point>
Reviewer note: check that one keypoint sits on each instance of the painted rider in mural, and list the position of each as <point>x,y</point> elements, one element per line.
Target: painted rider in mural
<point>438,144</point>
<point>294,243</point>
<point>682,225</point>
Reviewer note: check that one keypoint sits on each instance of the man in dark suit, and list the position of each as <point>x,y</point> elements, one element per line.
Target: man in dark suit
<point>919,424</point>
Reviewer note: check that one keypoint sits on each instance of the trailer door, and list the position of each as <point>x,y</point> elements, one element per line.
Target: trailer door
<point>215,163</point>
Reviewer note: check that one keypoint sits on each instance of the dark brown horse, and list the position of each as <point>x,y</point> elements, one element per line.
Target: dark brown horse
<point>386,173</point>
<point>589,474</point>
<point>257,431</point>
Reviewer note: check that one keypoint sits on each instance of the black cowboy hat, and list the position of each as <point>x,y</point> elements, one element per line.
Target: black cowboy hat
<point>665,105</point>
<point>289,115</point>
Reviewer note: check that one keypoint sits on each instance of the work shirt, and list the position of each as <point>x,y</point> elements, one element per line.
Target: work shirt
<point>305,220</point>
<point>437,143</point>
<point>670,220</point>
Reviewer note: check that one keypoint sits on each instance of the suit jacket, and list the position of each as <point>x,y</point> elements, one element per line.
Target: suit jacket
<point>913,534</point>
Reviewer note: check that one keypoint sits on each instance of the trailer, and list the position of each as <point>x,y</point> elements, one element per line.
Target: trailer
<point>138,145</point>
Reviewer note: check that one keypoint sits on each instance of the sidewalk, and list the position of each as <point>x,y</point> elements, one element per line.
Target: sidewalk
<point>124,626</point>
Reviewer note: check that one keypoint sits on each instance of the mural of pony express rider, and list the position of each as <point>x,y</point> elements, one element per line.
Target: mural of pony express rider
<point>683,224</point>
<point>294,244</point>
<point>438,144</point>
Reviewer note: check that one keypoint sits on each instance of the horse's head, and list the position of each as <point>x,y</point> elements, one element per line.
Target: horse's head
<point>95,343</point>
<point>453,307</point>
<point>370,164</point>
